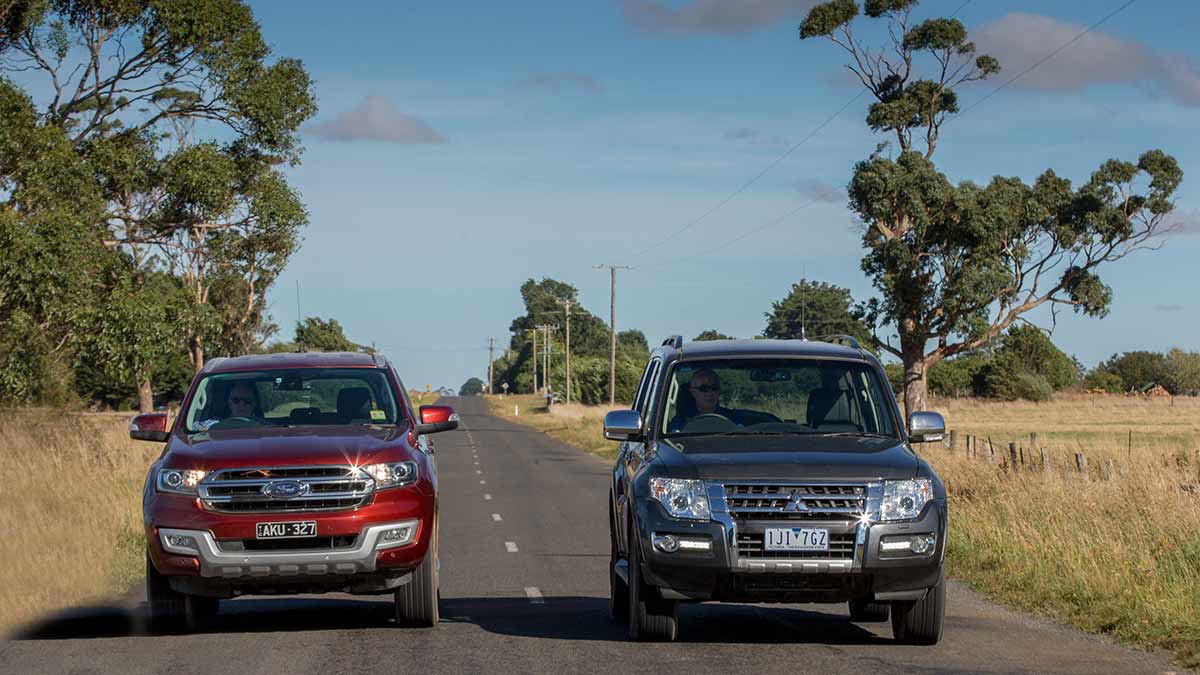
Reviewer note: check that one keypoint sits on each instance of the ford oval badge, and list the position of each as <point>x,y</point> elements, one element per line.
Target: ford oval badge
<point>285,489</point>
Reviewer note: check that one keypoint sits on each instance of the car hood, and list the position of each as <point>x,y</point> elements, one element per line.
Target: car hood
<point>787,458</point>
<point>300,446</point>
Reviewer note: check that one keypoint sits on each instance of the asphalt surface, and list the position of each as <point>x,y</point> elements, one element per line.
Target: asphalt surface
<point>524,589</point>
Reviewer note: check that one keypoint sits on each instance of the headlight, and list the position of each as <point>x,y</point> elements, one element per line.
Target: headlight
<point>681,498</point>
<point>180,481</point>
<point>393,474</point>
<point>904,499</point>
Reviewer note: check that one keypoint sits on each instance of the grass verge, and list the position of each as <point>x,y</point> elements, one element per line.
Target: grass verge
<point>70,510</point>
<point>1119,557</point>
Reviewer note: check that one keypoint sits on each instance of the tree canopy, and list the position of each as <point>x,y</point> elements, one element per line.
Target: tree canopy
<point>956,264</point>
<point>814,309</point>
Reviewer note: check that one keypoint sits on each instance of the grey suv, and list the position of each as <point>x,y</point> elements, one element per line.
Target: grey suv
<point>774,471</point>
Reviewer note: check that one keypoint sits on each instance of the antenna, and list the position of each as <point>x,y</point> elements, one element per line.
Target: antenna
<point>803,282</point>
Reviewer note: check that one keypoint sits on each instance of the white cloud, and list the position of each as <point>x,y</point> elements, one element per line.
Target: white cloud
<point>727,17</point>
<point>557,82</point>
<point>377,119</point>
<point>1019,40</point>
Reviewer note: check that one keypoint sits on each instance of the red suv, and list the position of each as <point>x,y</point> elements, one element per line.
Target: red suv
<point>293,473</point>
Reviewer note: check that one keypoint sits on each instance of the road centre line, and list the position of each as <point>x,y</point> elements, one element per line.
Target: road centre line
<point>483,482</point>
<point>479,471</point>
<point>534,595</point>
<point>487,496</point>
<point>510,546</point>
<point>496,517</point>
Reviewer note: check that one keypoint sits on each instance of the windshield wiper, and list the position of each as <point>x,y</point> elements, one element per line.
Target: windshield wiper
<point>864,434</point>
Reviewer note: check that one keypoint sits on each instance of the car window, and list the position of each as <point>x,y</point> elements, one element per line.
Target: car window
<point>292,397</point>
<point>647,398</point>
<point>776,396</point>
<point>642,386</point>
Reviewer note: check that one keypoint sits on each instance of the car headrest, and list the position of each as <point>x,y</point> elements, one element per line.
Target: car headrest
<point>350,402</point>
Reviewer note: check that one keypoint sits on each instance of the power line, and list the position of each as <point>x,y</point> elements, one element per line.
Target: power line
<point>1049,56</point>
<point>688,225</point>
<point>753,180</point>
<point>770,223</point>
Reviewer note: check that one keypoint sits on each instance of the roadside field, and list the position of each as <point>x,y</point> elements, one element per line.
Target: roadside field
<point>1118,556</point>
<point>70,510</point>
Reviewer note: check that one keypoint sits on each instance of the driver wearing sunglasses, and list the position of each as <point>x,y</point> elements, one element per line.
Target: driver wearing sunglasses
<point>242,401</point>
<point>705,390</point>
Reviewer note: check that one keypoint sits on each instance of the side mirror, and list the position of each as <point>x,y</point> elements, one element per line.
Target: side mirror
<point>623,425</point>
<point>435,418</point>
<point>926,427</point>
<point>149,427</point>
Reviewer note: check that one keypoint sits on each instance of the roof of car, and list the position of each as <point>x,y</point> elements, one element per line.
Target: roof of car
<point>294,360</point>
<point>718,348</point>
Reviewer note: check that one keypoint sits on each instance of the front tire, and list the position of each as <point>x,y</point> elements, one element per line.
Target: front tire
<point>416,603</point>
<point>651,619</point>
<point>618,590</point>
<point>166,606</point>
<point>920,622</point>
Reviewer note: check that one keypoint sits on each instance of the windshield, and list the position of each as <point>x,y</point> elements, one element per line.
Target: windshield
<point>291,397</point>
<point>776,396</point>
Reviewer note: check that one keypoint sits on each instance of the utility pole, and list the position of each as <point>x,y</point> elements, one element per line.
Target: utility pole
<point>546,328</point>
<point>491,346</point>
<point>567,310</point>
<point>612,329</point>
<point>535,357</point>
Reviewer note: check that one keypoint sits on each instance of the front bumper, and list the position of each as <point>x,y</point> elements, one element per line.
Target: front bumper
<point>216,563</point>
<point>721,573</point>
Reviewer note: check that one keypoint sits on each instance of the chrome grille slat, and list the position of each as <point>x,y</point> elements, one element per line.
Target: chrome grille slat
<point>777,501</point>
<point>329,488</point>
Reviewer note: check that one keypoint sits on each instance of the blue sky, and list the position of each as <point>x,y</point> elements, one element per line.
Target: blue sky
<point>462,148</point>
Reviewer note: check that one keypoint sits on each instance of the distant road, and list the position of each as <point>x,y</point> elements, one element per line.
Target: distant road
<point>525,588</point>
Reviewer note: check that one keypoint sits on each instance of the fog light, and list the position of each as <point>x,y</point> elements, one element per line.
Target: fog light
<point>180,543</point>
<point>667,543</point>
<point>397,535</point>
<point>695,544</point>
<point>922,543</point>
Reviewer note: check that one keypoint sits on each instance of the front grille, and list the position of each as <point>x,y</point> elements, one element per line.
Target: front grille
<point>308,543</point>
<point>841,547</point>
<point>324,488</point>
<point>755,501</point>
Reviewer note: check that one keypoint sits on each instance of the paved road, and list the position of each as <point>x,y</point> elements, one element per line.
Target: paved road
<point>524,588</point>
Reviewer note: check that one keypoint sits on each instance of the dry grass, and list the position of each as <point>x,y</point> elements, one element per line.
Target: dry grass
<point>1119,556</point>
<point>70,510</point>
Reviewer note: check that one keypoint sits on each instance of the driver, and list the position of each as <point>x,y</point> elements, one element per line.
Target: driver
<point>705,388</point>
<point>242,401</point>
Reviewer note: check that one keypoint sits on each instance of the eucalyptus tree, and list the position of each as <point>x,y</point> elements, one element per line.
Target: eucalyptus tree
<point>957,264</point>
<point>183,118</point>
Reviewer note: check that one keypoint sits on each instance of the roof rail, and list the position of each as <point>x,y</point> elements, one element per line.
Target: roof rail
<point>379,359</point>
<point>212,363</point>
<point>675,341</point>
<point>848,340</point>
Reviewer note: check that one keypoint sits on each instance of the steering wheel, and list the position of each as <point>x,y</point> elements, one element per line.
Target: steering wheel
<point>708,422</point>
<point>237,423</point>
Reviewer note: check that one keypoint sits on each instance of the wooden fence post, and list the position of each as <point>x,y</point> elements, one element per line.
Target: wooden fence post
<point>1033,439</point>
<point>953,439</point>
<point>991,450</point>
<point>1045,456</point>
<point>1012,454</point>
<point>1080,462</point>
<point>970,445</point>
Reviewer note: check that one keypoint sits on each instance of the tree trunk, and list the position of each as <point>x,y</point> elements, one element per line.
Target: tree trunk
<point>196,353</point>
<point>145,395</point>
<point>913,351</point>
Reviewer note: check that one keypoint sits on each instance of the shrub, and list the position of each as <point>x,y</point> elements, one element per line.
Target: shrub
<point>1102,379</point>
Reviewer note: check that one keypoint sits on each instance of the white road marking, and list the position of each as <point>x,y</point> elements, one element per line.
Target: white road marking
<point>483,482</point>
<point>479,471</point>
<point>487,497</point>
<point>496,517</point>
<point>510,546</point>
<point>534,595</point>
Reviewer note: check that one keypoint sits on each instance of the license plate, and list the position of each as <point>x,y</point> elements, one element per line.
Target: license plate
<point>307,528</point>
<point>795,539</point>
